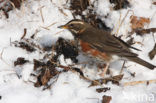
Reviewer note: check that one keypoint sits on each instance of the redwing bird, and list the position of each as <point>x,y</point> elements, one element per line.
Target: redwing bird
<point>101,44</point>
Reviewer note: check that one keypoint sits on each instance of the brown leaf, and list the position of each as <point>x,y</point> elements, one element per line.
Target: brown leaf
<point>139,22</point>
<point>106,99</point>
<point>46,77</point>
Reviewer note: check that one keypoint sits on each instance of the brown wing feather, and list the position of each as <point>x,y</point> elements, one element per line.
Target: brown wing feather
<point>105,42</point>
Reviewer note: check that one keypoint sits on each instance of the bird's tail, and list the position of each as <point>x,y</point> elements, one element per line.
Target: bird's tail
<point>142,62</point>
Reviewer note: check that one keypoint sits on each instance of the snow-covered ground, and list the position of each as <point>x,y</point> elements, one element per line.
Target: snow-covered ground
<point>70,88</point>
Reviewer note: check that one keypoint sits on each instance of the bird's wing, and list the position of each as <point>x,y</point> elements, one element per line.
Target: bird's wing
<point>113,50</point>
<point>105,42</point>
<point>127,44</point>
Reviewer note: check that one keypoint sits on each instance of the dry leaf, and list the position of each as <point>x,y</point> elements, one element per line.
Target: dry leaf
<point>139,22</point>
<point>106,99</point>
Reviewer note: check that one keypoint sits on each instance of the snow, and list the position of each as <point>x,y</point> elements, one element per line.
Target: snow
<point>70,88</point>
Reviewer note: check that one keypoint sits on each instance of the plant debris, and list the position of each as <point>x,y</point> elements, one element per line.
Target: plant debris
<point>132,74</point>
<point>20,61</point>
<point>120,4</point>
<point>130,41</point>
<point>79,5</point>
<point>8,5</point>
<point>38,64</point>
<point>99,90</point>
<point>147,82</point>
<point>138,22</point>
<point>45,69</point>
<point>24,34</point>
<point>152,53</point>
<point>106,99</point>
<point>24,45</point>
<point>114,80</point>
<point>140,31</point>
<point>46,73</point>
<point>79,71</point>
<point>67,48</point>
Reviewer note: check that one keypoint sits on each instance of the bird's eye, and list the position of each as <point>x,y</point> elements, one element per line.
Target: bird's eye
<point>71,25</point>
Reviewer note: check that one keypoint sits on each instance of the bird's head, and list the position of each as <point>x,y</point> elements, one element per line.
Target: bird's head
<point>75,26</point>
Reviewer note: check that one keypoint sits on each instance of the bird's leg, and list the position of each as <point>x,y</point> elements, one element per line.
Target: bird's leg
<point>104,70</point>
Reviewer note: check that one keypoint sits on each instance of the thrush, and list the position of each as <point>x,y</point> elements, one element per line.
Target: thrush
<point>101,44</point>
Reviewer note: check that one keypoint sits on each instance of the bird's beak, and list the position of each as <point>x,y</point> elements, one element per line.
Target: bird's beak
<point>63,27</point>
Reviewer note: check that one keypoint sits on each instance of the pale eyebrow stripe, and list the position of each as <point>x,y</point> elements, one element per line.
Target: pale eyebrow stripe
<point>75,22</point>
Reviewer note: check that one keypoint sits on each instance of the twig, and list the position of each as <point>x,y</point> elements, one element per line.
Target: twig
<point>139,82</point>
<point>61,11</point>
<point>33,36</point>
<point>44,28</point>
<point>22,7</point>
<point>52,51</point>
<point>123,21</point>
<point>139,43</point>
<point>59,32</point>
<point>47,27</point>
<point>41,13</point>
<point>118,23</point>
<point>79,63</point>
<point>1,57</point>
<point>24,34</point>
<point>122,67</point>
